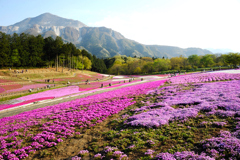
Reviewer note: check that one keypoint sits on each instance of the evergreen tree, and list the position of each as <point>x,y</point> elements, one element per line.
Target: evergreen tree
<point>5,49</point>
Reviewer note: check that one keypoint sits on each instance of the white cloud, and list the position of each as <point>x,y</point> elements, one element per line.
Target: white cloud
<point>191,23</point>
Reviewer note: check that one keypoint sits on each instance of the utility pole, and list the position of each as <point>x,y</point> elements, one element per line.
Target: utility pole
<point>57,64</point>
<point>62,64</point>
<point>70,62</point>
<point>82,64</point>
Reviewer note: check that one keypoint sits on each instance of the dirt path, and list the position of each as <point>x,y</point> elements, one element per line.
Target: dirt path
<point>24,108</point>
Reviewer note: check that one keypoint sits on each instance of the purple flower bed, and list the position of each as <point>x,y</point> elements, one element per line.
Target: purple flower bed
<point>224,102</point>
<point>182,155</point>
<point>203,77</point>
<point>224,146</point>
<point>219,98</point>
<point>17,139</point>
<point>159,117</point>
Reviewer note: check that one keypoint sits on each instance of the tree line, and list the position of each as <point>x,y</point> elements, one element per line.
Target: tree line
<point>26,51</point>
<point>141,65</point>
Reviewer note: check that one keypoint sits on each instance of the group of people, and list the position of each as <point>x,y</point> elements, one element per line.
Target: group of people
<point>17,71</point>
<point>87,82</point>
<point>48,80</point>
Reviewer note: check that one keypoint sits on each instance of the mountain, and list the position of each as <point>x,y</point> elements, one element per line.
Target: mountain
<point>223,51</point>
<point>100,41</point>
<point>105,42</point>
<point>47,25</point>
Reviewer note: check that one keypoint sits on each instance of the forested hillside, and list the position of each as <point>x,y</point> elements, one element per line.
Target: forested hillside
<point>26,50</point>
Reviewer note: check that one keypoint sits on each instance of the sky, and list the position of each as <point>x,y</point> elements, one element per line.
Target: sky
<point>182,23</point>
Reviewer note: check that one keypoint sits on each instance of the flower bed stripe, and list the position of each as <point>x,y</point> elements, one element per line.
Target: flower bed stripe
<point>1,89</point>
<point>54,92</point>
<point>27,87</point>
<point>7,106</point>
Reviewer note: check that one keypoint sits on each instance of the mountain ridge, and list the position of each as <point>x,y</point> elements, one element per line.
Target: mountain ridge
<point>100,41</point>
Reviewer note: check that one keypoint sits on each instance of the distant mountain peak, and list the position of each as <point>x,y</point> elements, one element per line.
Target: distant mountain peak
<point>48,19</point>
<point>46,24</point>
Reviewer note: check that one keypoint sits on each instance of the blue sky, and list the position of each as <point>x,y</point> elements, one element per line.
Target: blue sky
<point>182,23</point>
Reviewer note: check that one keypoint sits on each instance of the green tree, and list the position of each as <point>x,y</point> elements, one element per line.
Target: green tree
<point>87,63</point>
<point>232,59</point>
<point>207,60</point>
<point>137,70</point>
<point>15,58</point>
<point>116,69</point>
<point>36,45</point>
<point>194,60</point>
<point>161,64</point>
<point>148,67</point>
<point>98,65</point>
<point>176,63</point>
<point>5,50</point>
<point>24,51</point>
<point>49,54</point>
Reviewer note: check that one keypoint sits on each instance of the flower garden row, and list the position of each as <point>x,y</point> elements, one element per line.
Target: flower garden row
<point>173,116</point>
<point>204,77</point>
<point>56,93</point>
<point>9,88</point>
<point>20,87</point>
<point>18,138</point>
